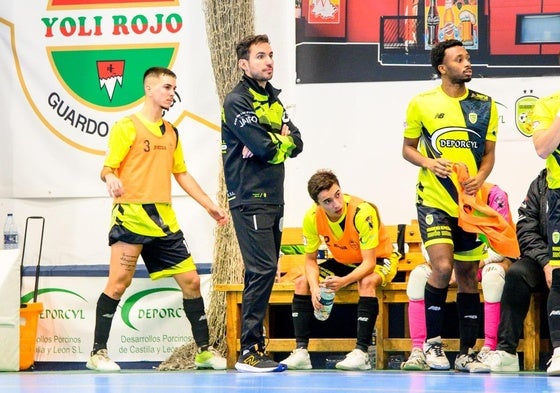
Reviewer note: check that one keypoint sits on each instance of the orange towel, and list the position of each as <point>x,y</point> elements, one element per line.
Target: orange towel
<point>476,216</point>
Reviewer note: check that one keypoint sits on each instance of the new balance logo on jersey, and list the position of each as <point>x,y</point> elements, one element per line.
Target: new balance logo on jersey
<point>439,115</point>
<point>434,308</point>
<point>471,316</point>
<point>554,312</point>
<point>363,319</point>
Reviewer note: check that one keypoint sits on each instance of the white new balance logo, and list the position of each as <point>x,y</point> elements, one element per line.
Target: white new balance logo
<point>554,312</point>
<point>434,308</point>
<point>363,319</point>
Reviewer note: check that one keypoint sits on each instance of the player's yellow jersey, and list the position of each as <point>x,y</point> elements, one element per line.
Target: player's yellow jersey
<point>544,113</point>
<point>452,128</point>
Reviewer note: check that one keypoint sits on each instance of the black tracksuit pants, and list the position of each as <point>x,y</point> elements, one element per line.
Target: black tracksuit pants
<point>524,277</point>
<point>258,230</point>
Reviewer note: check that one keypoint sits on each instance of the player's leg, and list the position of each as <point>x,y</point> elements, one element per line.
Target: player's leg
<point>121,270</point>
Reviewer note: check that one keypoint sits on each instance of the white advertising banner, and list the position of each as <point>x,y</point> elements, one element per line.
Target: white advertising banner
<point>76,67</point>
<point>149,324</point>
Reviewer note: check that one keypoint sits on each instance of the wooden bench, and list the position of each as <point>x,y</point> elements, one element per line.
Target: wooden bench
<point>393,293</point>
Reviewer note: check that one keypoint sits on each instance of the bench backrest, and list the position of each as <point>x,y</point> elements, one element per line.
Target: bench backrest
<point>410,241</point>
<point>291,236</point>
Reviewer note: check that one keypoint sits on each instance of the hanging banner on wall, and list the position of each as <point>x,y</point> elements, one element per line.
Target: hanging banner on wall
<point>391,40</point>
<point>149,325</point>
<point>91,63</point>
<point>80,65</point>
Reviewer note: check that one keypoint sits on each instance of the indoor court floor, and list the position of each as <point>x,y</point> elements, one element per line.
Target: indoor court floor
<point>149,381</point>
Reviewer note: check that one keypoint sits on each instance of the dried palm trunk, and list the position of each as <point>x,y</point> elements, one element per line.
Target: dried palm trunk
<point>226,24</point>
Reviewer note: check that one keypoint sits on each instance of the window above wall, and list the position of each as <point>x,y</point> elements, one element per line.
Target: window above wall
<point>538,29</point>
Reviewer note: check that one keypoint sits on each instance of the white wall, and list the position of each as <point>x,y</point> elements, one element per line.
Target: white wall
<point>354,129</point>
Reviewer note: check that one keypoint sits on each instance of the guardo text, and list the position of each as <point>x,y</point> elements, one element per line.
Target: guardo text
<point>77,120</point>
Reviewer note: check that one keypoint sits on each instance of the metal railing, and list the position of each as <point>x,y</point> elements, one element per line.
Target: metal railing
<point>401,33</point>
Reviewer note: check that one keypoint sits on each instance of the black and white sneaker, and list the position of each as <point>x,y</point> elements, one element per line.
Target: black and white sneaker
<point>255,360</point>
<point>469,363</point>
<point>435,356</point>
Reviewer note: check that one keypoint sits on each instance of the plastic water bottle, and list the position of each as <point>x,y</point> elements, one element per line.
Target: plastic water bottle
<point>327,300</point>
<point>10,233</point>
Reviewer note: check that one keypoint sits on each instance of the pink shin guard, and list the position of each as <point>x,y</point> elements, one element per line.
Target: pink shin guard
<point>491,322</point>
<point>417,322</point>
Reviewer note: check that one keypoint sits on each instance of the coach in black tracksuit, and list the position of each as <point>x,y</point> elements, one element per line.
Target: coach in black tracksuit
<point>530,273</point>
<point>257,137</point>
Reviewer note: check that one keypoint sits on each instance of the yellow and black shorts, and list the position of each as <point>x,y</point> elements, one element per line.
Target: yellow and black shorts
<point>164,249</point>
<point>436,227</point>
<point>385,267</point>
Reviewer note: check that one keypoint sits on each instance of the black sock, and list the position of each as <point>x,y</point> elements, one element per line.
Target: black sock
<point>104,313</point>
<point>553,309</point>
<point>194,310</point>
<point>434,299</point>
<point>302,317</point>
<point>468,308</point>
<point>368,309</point>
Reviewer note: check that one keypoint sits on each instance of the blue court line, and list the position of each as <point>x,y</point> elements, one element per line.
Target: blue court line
<point>286,382</point>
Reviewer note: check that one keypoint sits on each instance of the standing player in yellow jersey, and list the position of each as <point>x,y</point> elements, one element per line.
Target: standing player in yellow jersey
<point>546,138</point>
<point>144,151</point>
<point>450,124</point>
<point>362,252</point>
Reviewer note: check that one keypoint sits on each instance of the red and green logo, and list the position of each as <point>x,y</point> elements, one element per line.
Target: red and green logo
<point>81,62</point>
<point>108,78</point>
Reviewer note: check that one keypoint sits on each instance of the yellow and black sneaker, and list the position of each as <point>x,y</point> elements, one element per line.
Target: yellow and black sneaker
<point>255,360</point>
